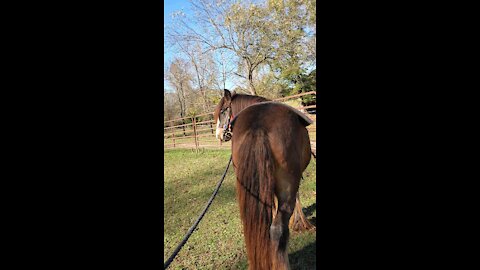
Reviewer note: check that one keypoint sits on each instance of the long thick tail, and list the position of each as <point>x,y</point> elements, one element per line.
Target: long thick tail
<point>255,193</point>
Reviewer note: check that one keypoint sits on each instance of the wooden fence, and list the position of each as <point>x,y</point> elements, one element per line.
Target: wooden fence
<point>199,131</point>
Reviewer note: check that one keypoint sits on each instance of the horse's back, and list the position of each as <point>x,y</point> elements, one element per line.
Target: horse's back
<point>285,130</point>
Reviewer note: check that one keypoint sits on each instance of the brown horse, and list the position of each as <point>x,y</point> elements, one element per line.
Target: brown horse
<point>270,150</point>
<point>298,221</point>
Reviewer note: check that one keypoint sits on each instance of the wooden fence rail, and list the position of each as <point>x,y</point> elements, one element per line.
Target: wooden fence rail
<point>199,131</point>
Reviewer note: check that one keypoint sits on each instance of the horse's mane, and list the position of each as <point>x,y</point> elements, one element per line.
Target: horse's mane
<point>241,101</point>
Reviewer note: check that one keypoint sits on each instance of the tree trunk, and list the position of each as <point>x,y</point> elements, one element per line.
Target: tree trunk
<point>251,87</point>
<point>249,71</point>
<point>182,113</point>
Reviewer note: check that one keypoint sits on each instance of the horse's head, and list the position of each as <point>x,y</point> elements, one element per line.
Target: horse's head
<point>222,117</point>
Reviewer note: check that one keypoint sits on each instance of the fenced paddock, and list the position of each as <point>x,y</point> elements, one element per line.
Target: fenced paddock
<point>198,132</point>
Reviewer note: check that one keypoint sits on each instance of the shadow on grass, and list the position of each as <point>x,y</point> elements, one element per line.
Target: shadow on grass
<point>241,265</point>
<point>308,211</point>
<point>313,221</point>
<point>305,258</point>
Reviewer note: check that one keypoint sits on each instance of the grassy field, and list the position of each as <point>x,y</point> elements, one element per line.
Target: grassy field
<point>217,243</point>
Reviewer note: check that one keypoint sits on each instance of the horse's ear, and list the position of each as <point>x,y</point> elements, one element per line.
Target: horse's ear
<point>227,95</point>
<point>233,93</point>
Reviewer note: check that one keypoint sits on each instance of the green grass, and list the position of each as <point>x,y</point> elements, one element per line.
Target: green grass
<point>218,243</point>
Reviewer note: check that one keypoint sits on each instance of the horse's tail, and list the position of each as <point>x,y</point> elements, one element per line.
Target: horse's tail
<point>255,191</point>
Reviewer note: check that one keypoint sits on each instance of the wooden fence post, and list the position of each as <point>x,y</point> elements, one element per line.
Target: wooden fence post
<point>211,124</point>
<point>195,133</point>
<point>173,134</point>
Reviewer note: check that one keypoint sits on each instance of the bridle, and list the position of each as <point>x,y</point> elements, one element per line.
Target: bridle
<point>227,127</point>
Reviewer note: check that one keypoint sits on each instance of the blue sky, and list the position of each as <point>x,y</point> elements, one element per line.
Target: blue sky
<point>170,6</point>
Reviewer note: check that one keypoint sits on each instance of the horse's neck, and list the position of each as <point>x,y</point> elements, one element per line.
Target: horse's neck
<point>241,103</point>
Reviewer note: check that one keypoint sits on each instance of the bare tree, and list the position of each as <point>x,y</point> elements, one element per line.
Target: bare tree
<point>240,27</point>
<point>179,78</point>
<point>280,34</point>
<point>224,71</point>
<point>201,64</point>
<point>169,106</point>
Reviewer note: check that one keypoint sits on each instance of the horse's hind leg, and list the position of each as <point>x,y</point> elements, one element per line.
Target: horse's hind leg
<point>285,191</point>
<point>279,234</point>
<point>298,221</point>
